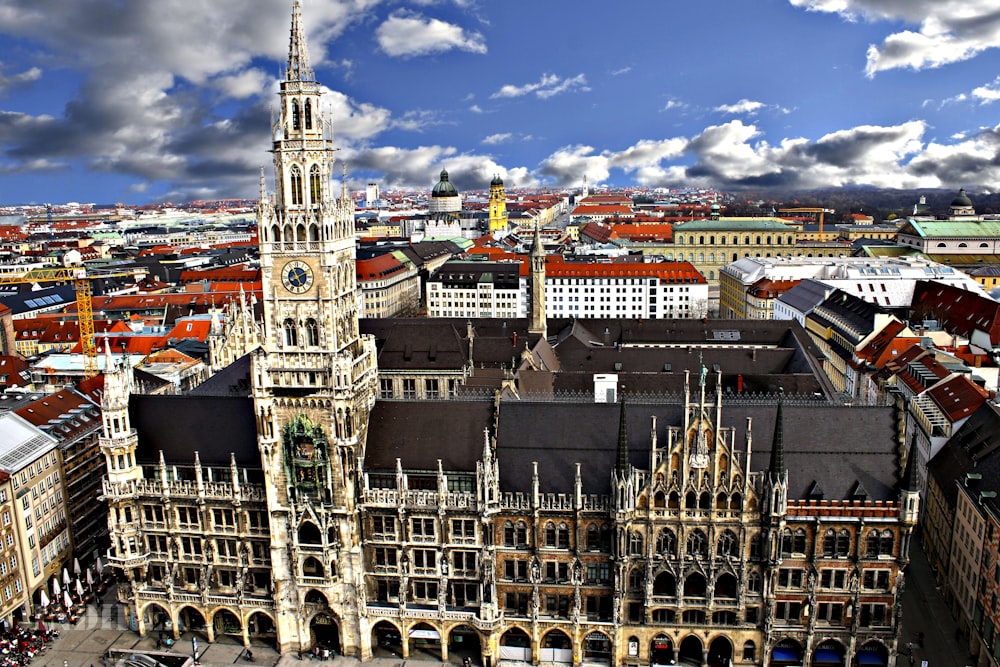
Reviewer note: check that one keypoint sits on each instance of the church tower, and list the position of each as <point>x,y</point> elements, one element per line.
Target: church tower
<point>498,206</point>
<point>314,376</point>
<point>536,257</point>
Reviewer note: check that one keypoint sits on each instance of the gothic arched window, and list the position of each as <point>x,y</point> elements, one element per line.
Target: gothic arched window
<point>666,543</point>
<point>635,544</point>
<point>309,115</point>
<point>296,178</point>
<point>315,191</point>
<point>291,333</point>
<point>296,123</point>
<point>312,333</point>
<point>697,545</point>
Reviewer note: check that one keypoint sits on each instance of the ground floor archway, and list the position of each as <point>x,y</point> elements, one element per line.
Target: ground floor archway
<point>557,647</point>
<point>690,651</point>
<point>325,633</point>
<point>189,618</point>
<point>661,650</point>
<point>225,622</point>
<point>156,619</point>
<point>597,648</point>
<point>424,638</point>
<point>464,642</point>
<point>873,654</point>
<point>260,626</point>
<point>515,644</point>
<point>387,637</point>
<point>786,652</point>
<point>829,653</point>
<point>720,652</point>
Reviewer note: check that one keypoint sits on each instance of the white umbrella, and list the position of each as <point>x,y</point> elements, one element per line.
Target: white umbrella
<point>43,599</point>
<point>56,588</point>
<point>67,601</point>
<point>79,588</point>
<point>99,565</point>
<point>76,566</point>
<point>66,576</point>
<point>90,578</point>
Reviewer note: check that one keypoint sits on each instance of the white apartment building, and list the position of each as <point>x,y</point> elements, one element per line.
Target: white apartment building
<point>886,282</point>
<point>478,289</point>
<point>664,290</point>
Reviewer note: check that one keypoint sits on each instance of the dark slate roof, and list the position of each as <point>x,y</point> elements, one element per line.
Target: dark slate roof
<point>974,448</point>
<point>421,432</point>
<point>233,380</point>
<point>214,426</point>
<point>835,447</point>
<point>806,295</point>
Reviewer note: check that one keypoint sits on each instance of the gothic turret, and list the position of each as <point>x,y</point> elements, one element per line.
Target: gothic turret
<point>776,483</point>
<point>909,487</point>
<point>118,439</point>
<point>537,324</point>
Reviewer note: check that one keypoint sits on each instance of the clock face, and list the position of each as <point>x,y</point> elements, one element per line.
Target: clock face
<point>297,277</point>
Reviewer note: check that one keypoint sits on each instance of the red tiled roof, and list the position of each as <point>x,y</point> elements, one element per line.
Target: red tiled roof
<point>765,288</point>
<point>658,231</point>
<point>378,267</point>
<point>602,209</point>
<point>958,397</point>
<point>959,311</point>
<point>556,267</point>
<point>65,414</point>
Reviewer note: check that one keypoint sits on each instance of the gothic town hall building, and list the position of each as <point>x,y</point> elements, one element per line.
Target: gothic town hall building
<point>295,498</point>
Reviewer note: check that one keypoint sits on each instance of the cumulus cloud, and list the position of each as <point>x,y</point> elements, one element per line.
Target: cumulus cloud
<point>243,84</point>
<point>988,93</point>
<point>547,86</point>
<point>735,155</point>
<point>744,106</point>
<point>151,75</point>
<point>406,34</point>
<point>946,31</point>
<point>29,75</point>
<point>499,138</point>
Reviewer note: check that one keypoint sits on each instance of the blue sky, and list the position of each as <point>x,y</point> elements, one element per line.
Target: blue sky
<point>133,101</point>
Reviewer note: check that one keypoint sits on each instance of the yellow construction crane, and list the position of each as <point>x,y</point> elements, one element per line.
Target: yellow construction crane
<point>84,300</point>
<point>820,211</point>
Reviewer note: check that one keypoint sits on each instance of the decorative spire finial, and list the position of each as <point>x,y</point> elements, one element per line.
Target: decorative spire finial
<point>298,54</point>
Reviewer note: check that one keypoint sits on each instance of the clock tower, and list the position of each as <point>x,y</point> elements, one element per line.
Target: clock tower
<point>314,376</point>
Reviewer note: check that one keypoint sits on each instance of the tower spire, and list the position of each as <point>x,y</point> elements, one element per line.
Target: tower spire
<point>622,463</point>
<point>536,259</point>
<point>298,54</point>
<point>777,465</point>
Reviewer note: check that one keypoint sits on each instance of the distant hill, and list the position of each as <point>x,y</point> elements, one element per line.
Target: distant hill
<point>879,203</point>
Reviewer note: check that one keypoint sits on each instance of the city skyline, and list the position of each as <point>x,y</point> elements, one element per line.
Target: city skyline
<point>137,103</point>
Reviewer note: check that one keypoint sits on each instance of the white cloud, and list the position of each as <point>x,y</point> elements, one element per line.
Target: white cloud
<point>475,108</point>
<point>417,120</point>
<point>744,106</point>
<point>29,75</point>
<point>623,70</point>
<point>947,31</point>
<point>407,34</point>
<point>243,84</point>
<point>988,93</point>
<point>547,86</point>
<point>499,138</point>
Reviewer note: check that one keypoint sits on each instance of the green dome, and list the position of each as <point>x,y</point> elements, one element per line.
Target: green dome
<point>444,188</point>
<point>962,200</point>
